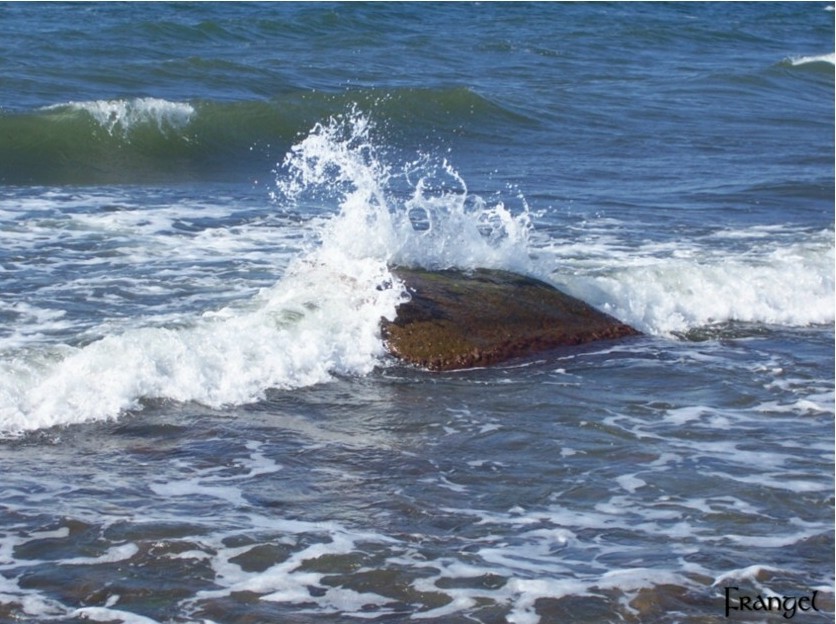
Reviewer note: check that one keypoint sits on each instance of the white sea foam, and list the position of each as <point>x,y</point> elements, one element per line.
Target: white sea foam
<point>503,561</point>
<point>106,614</point>
<point>135,261</point>
<point>670,289</point>
<point>820,58</point>
<point>440,224</point>
<point>322,317</point>
<point>115,553</point>
<point>121,116</point>
<point>630,482</point>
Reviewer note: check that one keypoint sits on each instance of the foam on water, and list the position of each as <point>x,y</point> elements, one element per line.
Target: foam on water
<point>671,288</point>
<point>418,214</point>
<point>121,117</point>
<point>209,512</point>
<point>318,320</point>
<point>363,214</point>
<point>820,58</point>
<point>107,614</point>
<point>770,275</point>
<point>322,317</point>
<point>131,257</point>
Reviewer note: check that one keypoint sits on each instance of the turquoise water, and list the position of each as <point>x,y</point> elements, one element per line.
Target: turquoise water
<point>199,207</point>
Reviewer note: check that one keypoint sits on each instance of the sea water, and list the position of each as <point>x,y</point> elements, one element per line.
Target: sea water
<point>200,207</point>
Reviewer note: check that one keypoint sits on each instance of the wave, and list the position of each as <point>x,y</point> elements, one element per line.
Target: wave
<point>125,117</point>
<point>320,319</point>
<point>826,59</point>
<point>418,213</point>
<point>322,316</point>
<point>145,139</point>
<point>771,276</point>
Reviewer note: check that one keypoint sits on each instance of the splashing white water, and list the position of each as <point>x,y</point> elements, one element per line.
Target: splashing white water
<point>316,321</point>
<point>322,317</point>
<point>420,215</point>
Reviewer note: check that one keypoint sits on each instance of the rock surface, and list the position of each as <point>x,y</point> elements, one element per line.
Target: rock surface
<point>459,319</point>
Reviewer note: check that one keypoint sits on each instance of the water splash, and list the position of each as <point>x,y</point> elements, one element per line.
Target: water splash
<point>319,319</point>
<point>420,213</point>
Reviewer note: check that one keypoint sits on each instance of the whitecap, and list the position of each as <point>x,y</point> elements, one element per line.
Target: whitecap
<point>319,319</point>
<point>662,291</point>
<point>106,614</point>
<point>123,115</point>
<point>819,58</point>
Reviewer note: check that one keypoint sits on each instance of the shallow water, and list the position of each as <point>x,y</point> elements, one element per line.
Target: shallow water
<point>198,420</point>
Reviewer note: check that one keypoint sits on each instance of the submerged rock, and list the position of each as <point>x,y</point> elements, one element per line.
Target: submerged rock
<point>457,319</point>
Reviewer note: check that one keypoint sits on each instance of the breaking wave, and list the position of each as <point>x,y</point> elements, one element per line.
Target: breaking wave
<point>827,59</point>
<point>730,275</point>
<point>321,318</point>
<point>371,211</point>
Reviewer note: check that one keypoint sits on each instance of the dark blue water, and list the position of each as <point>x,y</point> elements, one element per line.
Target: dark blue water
<point>199,206</point>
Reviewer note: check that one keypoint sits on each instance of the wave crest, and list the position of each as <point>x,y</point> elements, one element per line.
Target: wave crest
<point>122,116</point>
<point>820,58</point>
<point>145,139</point>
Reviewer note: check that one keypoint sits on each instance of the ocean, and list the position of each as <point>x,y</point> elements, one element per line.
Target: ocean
<point>200,204</point>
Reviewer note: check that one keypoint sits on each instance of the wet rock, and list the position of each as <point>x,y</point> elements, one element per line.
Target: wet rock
<point>459,319</point>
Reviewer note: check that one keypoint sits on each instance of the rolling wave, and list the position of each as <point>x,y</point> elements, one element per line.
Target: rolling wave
<point>150,139</point>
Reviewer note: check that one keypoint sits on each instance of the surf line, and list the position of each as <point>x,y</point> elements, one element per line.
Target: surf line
<point>787,604</point>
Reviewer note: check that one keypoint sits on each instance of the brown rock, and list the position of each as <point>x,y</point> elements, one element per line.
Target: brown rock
<point>458,319</point>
